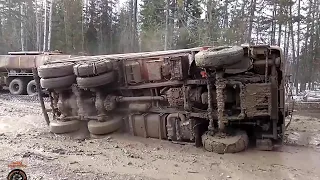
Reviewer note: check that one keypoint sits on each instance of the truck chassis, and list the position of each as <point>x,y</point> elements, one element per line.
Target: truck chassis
<point>174,95</point>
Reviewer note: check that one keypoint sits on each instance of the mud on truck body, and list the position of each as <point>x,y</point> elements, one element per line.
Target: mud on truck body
<point>216,97</point>
<point>16,69</point>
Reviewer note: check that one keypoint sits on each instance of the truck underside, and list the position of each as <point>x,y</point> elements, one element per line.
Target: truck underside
<point>216,97</point>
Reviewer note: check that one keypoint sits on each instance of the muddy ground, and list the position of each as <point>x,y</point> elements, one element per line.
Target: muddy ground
<point>24,137</point>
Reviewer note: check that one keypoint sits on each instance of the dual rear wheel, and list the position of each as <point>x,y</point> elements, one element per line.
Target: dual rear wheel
<point>85,75</point>
<point>21,86</point>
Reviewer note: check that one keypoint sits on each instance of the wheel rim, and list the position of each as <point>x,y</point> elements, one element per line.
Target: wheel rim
<point>15,87</point>
<point>33,88</point>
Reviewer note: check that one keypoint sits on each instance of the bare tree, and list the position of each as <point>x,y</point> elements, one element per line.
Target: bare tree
<point>135,11</point>
<point>298,47</point>
<point>38,34</point>
<point>45,26</point>
<point>167,25</point>
<point>22,27</point>
<point>252,11</point>
<point>50,26</point>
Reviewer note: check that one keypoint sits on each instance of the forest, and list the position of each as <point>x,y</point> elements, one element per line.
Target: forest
<point>112,26</point>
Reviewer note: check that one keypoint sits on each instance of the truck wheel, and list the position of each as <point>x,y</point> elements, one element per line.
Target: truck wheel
<point>95,81</point>
<point>219,57</point>
<point>59,82</point>
<point>55,70</point>
<point>17,86</point>
<point>32,88</point>
<point>107,127</point>
<point>60,127</point>
<point>228,144</point>
<point>92,69</point>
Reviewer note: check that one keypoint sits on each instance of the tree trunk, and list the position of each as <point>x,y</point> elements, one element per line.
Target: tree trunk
<point>273,27</point>
<point>280,21</point>
<point>303,85</point>
<point>226,18</point>
<point>252,11</point>
<point>285,45</point>
<point>134,39</point>
<point>22,27</point>
<point>65,19</point>
<point>293,46</point>
<point>1,25</point>
<point>84,4</point>
<point>243,6</point>
<point>172,24</point>
<point>279,35</point>
<point>298,47</point>
<point>167,26</point>
<point>317,43</point>
<point>10,21</point>
<point>312,43</point>
<point>37,27</point>
<point>45,26</point>
<point>50,25</point>
<point>257,32</point>
<point>209,22</point>
<point>131,24</point>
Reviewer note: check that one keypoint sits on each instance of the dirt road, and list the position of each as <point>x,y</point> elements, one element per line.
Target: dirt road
<point>24,137</point>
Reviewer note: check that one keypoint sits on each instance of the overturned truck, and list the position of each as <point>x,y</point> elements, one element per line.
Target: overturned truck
<point>215,97</point>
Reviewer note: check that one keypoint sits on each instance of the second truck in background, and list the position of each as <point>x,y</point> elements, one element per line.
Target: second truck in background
<point>16,69</point>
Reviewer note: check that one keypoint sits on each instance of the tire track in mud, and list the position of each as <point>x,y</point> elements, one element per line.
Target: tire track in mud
<point>20,98</point>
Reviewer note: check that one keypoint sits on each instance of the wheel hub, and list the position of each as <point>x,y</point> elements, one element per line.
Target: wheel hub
<point>16,87</point>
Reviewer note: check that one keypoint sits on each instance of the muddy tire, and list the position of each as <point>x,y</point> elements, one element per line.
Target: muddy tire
<point>219,57</point>
<point>92,69</point>
<point>230,144</point>
<point>17,86</point>
<point>60,127</point>
<point>95,81</point>
<point>55,70</point>
<point>107,127</point>
<point>32,88</point>
<point>59,82</point>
